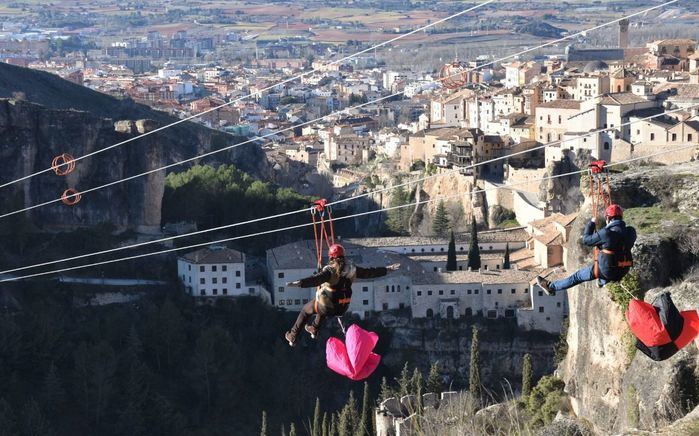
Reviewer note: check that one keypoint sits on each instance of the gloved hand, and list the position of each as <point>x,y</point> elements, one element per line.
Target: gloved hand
<point>294,284</point>
<point>393,267</point>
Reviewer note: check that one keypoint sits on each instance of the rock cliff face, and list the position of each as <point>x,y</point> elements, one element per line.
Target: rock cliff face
<point>33,134</point>
<point>460,209</point>
<point>42,116</point>
<point>610,385</point>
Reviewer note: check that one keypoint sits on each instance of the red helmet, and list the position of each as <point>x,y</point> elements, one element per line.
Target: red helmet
<point>335,251</point>
<point>613,211</point>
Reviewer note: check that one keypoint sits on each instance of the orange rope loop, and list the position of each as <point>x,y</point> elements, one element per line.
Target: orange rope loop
<point>70,197</point>
<point>63,164</point>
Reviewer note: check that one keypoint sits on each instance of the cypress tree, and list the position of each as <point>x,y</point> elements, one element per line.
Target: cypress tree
<point>527,375</point>
<point>263,426</point>
<point>440,224</point>
<point>434,380</point>
<point>315,430</point>
<point>474,377</point>
<point>324,429</point>
<point>451,254</point>
<point>366,427</point>
<point>404,381</point>
<point>416,382</point>
<point>474,255</point>
<point>333,425</point>
<point>386,391</point>
<point>506,263</point>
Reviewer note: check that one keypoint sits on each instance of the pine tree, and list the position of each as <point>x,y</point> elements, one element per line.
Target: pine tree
<point>474,255</point>
<point>324,429</point>
<point>527,375</point>
<point>440,224</point>
<point>434,380</point>
<point>404,381</point>
<point>506,263</point>
<point>263,426</point>
<point>474,378</point>
<point>386,391</point>
<point>451,254</point>
<point>292,429</point>
<point>315,429</point>
<point>398,218</point>
<point>366,427</point>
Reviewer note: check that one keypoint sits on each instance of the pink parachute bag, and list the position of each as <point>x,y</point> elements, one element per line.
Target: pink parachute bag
<point>354,358</point>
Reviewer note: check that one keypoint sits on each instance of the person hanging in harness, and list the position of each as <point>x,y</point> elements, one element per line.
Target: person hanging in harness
<point>613,258</point>
<point>334,291</point>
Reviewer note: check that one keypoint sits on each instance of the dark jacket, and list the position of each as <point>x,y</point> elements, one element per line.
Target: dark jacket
<point>614,241</point>
<point>335,287</point>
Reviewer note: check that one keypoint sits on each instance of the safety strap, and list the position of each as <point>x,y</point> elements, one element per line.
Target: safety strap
<point>599,177</point>
<point>323,231</point>
<point>595,269</point>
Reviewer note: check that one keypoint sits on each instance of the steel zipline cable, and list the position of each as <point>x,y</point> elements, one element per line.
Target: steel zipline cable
<point>357,215</point>
<point>294,212</point>
<point>283,82</point>
<point>306,123</point>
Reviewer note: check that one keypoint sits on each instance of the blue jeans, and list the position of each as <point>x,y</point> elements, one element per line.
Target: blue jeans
<point>584,274</point>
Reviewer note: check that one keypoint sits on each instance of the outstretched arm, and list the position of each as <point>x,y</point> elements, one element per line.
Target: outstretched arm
<point>370,273</point>
<point>315,280</point>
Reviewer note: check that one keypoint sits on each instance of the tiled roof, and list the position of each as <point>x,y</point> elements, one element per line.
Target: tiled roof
<point>560,104</point>
<point>214,255</point>
<point>517,234</point>
<point>482,277</point>
<point>621,98</point>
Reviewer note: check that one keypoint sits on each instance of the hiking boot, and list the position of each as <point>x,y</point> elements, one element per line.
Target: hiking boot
<point>545,285</point>
<point>290,338</point>
<point>600,284</point>
<point>312,330</point>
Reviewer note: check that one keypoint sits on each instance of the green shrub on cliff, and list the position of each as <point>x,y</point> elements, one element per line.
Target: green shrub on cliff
<point>545,400</point>
<point>622,292</point>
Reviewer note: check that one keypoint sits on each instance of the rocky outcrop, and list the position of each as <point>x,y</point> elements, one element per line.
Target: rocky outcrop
<point>608,383</point>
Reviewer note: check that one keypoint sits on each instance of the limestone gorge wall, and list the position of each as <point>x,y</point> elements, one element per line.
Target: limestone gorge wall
<point>460,207</point>
<point>609,385</point>
<point>502,347</point>
<point>32,134</point>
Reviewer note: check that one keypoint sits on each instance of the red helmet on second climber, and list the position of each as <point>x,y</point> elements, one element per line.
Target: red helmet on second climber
<point>614,211</point>
<point>335,251</point>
